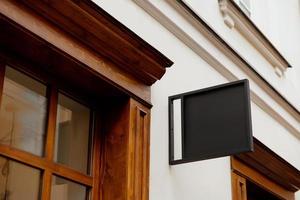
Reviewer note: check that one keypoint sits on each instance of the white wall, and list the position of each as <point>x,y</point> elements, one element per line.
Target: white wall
<point>210,179</point>
<point>200,180</point>
<point>280,21</point>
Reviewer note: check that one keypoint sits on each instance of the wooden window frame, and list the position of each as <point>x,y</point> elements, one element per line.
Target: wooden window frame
<point>264,168</point>
<point>241,173</point>
<point>45,163</point>
<point>76,44</point>
<point>121,145</point>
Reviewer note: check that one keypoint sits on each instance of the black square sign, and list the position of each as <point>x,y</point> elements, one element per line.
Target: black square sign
<point>215,122</point>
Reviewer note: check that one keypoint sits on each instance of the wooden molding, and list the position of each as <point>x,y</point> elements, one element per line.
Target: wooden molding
<point>95,28</point>
<point>51,40</point>
<point>241,175</point>
<point>268,163</point>
<point>238,187</point>
<point>125,172</point>
<point>234,17</point>
<point>139,149</point>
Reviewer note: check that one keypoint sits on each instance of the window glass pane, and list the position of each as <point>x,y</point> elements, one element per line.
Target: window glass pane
<point>18,181</point>
<point>63,189</point>
<point>23,112</point>
<point>72,134</point>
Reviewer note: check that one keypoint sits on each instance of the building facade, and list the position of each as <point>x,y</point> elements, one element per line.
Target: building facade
<point>213,42</point>
<point>79,79</point>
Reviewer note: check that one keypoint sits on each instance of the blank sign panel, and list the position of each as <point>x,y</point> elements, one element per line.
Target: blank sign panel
<point>215,122</point>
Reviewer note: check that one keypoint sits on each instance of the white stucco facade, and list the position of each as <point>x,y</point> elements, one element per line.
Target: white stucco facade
<point>201,64</point>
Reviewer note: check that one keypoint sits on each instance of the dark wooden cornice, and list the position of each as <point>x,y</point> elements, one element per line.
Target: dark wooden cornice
<point>268,163</point>
<point>94,27</point>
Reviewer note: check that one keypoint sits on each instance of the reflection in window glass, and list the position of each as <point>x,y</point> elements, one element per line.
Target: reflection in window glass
<point>12,177</point>
<point>72,134</point>
<point>63,189</point>
<point>23,112</point>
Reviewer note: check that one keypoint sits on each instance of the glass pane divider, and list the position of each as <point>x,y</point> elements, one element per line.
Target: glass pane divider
<point>44,164</point>
<point>73,175</point>
<point>97,156</point>
<point>46,186</point>
<point>51,121</point>
<point>52,94</point>
<point>21,156</point>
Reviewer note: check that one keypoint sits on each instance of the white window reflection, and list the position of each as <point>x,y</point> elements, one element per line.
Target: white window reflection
<point>72,134</point>
<point>23,112</point>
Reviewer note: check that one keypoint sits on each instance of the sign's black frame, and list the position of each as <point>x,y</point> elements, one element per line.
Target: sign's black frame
<point>182,96</point>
